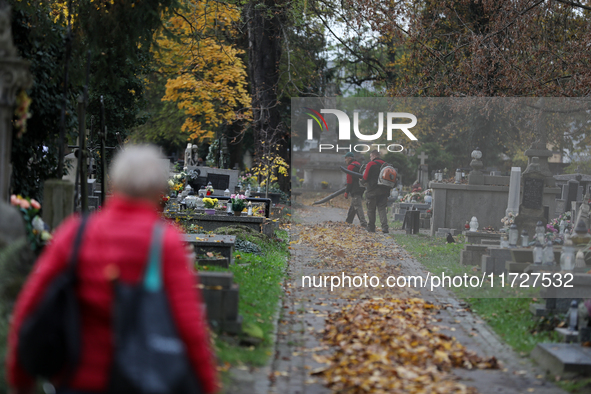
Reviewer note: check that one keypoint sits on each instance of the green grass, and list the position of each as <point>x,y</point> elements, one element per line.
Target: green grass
<point>434,253</point>
<point>508,317</point>
<point>511,320</point>
<point>576,386</point>
<point>260,279</point>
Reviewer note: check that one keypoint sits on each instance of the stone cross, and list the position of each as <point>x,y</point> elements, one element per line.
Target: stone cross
<point>423,156</point>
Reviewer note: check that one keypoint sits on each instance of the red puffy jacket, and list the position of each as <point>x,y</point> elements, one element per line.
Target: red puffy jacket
<point>119,235</point>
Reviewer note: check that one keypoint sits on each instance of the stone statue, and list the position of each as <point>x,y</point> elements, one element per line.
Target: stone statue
<point>188,156</point>
<point>195,155</point>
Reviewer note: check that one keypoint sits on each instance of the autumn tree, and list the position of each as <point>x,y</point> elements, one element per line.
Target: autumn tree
<point>206,75</point>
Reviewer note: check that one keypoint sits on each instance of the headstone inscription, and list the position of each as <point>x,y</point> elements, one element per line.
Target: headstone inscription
<point>533,193</point>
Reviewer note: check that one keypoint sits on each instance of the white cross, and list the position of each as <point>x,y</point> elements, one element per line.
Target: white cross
<point>423,156</point>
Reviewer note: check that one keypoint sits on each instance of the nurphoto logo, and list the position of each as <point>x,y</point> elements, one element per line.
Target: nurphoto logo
<point>344,129</point>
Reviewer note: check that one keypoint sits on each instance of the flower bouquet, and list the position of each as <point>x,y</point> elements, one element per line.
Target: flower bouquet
<point>238,202</point>
<point>508,220</point>
<point>37,231</point>
<point>210,204</point>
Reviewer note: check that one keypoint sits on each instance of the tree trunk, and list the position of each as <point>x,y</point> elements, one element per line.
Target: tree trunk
<point>264,53</point>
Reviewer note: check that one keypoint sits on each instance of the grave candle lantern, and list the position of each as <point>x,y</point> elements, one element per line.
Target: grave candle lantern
<point>540,232</point>
<point>249,209</point>
<point>227,193</point>
<point>567,256</point>
<point>513,235</point>
<point>548,258</point>
<point>573,314</point>
<point>561,227</point>
<point>458,176</point>
<point>474,224</point>
<point>580,259</point>
<point>524,239</point>
<point>538,252</point>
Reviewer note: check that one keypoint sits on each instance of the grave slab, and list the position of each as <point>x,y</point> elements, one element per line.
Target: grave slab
<point>476,237</point>
<point>566,335</point>
<point>563,359</point>
<point>221,298</point>
<point>204,243</point>
<point>495,260</point>
<point>211,279</point>
<point>212,222</point>
<point>472,254</point>
<point>516,268</point>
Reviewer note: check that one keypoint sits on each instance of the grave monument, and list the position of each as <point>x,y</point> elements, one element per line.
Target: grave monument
<point>423,172</point>
<point>531,209</point>
<point>15,76</point>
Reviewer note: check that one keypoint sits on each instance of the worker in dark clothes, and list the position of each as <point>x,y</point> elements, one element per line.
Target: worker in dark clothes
<point>355,191</point>
<point>377,195</point>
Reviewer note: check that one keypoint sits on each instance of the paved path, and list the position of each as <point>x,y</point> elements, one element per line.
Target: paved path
<point>303,317</point>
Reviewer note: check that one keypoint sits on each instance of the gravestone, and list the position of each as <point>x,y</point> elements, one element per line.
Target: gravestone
<point>221,244</point>
<point>221,297</point>
<point>93,203</point>
<point>573,189</point>
<point>514,189</point>
<point>533,192</point>
<point>580,193</point>
<point>494,260</point>
<point>560,207</point>
<point>531,209</point>
<point>58,201</point>
<point>563,359</point>
<point>12,226</point>
<point>472,254</point>
<point>564,194</point>
<point>423,172</point>
<point>442,232</point>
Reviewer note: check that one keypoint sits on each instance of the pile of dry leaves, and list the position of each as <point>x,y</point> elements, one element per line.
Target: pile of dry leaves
<point>350,250</point>
<point>392,346</point>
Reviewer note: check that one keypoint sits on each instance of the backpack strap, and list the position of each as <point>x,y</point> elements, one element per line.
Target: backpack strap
<point>153,275</point>
<point>76,246</point>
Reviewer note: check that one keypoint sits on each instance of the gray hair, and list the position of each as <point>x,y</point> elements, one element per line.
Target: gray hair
<point>139,171</point>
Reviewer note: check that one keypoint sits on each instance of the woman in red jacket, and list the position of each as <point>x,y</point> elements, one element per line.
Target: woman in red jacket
<point>117,239</point>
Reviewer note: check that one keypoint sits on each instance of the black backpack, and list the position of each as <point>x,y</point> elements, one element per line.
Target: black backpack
<point>149,356</point>
<point>49,339</point>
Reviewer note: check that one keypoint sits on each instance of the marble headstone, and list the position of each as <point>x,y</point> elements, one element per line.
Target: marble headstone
<point>514,189</point>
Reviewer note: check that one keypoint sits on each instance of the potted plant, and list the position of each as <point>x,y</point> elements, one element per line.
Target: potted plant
<point>324,184</point>
<point>238,202</point>
<point>210,204</point>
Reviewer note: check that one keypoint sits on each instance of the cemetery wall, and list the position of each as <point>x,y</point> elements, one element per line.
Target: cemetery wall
<point>455,204</point>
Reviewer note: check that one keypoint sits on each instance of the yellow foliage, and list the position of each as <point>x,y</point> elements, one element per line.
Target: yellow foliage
<point>269,166</point>
<point>207,77</point>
